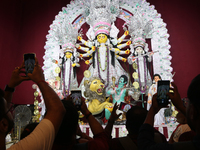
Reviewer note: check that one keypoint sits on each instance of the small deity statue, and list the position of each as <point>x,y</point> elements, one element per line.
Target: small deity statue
<point>66,36</point>
<point>70,62</point>
<point>119,93</point>
<point>140,56</point>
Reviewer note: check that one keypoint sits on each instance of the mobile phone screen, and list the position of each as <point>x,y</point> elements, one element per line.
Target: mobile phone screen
<point>162,90</point>
<point>76,98</point>
<point>124,106</point>
<point>29,61</point>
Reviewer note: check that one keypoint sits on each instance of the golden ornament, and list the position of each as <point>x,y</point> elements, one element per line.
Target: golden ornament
<point>57,78</point>
<point>36,93</point>
<point>135,75</point>
<point>134,66</point>
<point>57,70</point>
<point>87,73</point>
<point>36,102</point>
<point>36,112</point>
<point>136,85</point>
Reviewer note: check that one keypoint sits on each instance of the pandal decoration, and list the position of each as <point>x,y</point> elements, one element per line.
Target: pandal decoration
<point>81,12</point>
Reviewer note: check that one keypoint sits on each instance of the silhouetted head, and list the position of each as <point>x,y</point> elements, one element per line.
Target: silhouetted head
<point>135,118</point>
<point>6,118</point>
<point>69,124</point>
<point>193,106</point>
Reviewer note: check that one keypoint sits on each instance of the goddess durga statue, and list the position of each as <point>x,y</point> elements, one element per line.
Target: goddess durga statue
<point>105,48</point>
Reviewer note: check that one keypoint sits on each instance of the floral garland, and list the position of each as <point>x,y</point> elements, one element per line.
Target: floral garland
<point>107,62</point>
<point>106,59</point>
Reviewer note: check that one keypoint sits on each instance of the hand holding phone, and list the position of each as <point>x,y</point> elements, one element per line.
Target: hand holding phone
<point>76,98</point>
<point>162,90</point>
<point>124,106</point>
<point>29,61</point>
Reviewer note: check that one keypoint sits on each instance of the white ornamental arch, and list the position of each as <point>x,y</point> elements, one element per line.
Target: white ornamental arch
<point>76,11</point>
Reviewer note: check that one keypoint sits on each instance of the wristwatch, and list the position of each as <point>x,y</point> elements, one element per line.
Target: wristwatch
<point>7,88</point>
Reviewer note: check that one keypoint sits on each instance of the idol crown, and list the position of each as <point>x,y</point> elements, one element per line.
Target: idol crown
<point>102,14</point>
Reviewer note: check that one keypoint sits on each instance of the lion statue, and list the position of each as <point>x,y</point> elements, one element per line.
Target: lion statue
<point>95,94</point>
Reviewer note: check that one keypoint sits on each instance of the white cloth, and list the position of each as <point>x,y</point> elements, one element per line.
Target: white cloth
<point>41,138</point>
<point>73,81</point>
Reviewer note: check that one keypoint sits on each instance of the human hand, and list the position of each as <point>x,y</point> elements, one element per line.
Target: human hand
<point>149,101</point>
<point>79,38</point>
<point>74,64</point>
<point>127,51</point>
<point>87,62</point>
<point>124,59</point>
<point>37,74</point>
<point>155,107</point>
<point>18,75</point>
<point>128,43</point>
<point>133,58</point>
<point>114,116</point>
<point>78,46</point>
<point>175,96</point>
<point>93,48</point>
<point>151,53</point>
<point>84,108</point>
<point>126,32</point>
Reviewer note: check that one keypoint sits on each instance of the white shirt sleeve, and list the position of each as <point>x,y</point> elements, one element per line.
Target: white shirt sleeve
<point>41,138</point>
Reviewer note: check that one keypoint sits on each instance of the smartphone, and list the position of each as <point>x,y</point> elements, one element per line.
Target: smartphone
<point>76,96</point>
<point>162,90</point>
<point>29,61</point>
<point>124,106</point>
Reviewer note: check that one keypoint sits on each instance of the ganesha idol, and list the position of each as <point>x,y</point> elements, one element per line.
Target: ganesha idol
<point>95,94</point>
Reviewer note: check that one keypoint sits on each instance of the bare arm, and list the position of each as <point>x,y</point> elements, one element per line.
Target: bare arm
<point>152,111</point>
<point>55,108</point>
<point>112,119</point>
<point>176,99</point>
<point>94,124</point>
<point>18,76</point>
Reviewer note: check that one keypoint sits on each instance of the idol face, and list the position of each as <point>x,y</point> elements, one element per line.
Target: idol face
<point>102,38</point>
<point>68,55</point>
<point>156,78</point>
<point>121,81</point>
<point>139,50</point>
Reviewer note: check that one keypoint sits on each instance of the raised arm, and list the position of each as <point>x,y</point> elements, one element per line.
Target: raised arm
<point>55,109</point>
<point>123,36</point>
<point>86,43</point>
<point>176,99</point>
<point>118,51</point>
<point>113,117</point>
<point>121,58</point>
<point>94,124</point>
<point>15,80</point>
